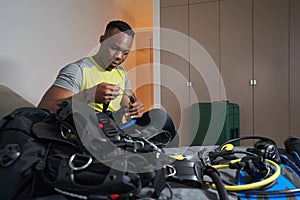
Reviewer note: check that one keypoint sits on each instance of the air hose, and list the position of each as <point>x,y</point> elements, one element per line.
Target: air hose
<point>249,186</point>
<point>214,175</point>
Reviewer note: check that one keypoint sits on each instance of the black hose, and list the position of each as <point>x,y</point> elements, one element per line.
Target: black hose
<point>214,175</point>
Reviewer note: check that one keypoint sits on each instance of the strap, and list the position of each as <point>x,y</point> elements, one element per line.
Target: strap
<point>106,111</point>
<point>71,175</point>
<point>159,183</point>
<point>105,106</point>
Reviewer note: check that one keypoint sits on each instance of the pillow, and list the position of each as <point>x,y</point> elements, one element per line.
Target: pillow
<point>10,100</point>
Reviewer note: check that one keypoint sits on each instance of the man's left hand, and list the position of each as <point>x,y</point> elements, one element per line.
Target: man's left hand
<point>136,109</point>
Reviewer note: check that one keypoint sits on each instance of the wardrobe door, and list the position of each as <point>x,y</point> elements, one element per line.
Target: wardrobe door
<point>168,3</point>
<point>271,69</point>
<point>204,67</point>
<point>201,1</point>
<point>295,69</point>
<point>205,76</point>
<point>175,68</point>
<point>236,58</point>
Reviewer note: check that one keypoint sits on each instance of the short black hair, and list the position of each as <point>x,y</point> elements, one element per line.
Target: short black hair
<point>121,25</point>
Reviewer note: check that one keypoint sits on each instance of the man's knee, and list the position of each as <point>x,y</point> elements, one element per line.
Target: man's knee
<point>161,120</point>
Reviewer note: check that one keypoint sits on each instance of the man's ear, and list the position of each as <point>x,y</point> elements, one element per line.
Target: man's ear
<point>101,39</point>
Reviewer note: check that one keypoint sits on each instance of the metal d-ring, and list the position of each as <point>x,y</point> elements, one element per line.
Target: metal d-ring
<point>62,132</point>
<point>170,169</point>
<point>80,167</point>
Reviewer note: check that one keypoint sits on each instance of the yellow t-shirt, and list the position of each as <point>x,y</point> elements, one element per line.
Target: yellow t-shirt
<point>86,73</point>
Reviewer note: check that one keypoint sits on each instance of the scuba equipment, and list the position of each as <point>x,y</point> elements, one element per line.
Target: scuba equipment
<point>192,173</point>
<point>250,185</point>
<point>261,172</point>
<point>20,153</point>
<point>154,136</point>
<point>84,155</point>
<point>292,146</point>
<point>48,153</point>
<point>265,147</point>
<point>155,128</point>
<point>80,155</point>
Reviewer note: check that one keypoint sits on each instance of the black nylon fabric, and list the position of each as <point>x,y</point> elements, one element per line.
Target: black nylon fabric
<point>17,179</point>
<point>35,161</point>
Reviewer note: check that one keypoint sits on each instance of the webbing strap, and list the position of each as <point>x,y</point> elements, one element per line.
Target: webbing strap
<point>159,183</point>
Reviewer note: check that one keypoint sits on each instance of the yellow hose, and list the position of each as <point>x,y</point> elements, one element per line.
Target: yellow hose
<point>249,186</point>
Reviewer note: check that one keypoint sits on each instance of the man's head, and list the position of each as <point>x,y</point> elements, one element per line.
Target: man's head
<point>115,44</point>
<point>122,26</point>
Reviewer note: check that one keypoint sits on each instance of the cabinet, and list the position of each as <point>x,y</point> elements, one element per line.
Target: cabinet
<point>177,71</point>
<point>271,69</point>
<point>204,31</point>
<point>295,69</point>
<point>168,3</point>
<point>236,57</point>
<point>247,40</point>
<point>175,66</point>
<point>255,46</point>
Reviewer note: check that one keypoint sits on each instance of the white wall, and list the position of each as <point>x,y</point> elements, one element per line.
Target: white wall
<point>39,37</point>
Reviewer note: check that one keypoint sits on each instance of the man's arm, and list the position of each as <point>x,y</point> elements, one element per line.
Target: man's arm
<point>53,97</point>
<point>101,93</point>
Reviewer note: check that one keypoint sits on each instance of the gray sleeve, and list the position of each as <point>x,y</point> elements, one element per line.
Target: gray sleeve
<point>70,78</point>
<point>127,82</point>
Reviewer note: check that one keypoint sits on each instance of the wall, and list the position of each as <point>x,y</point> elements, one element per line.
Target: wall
<point>38,38</point>
<point>143,53</point>
<point>141,72</point>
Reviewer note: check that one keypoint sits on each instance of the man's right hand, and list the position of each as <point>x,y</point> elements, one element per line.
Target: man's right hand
<point>101,93</point>
<point>105,92</point>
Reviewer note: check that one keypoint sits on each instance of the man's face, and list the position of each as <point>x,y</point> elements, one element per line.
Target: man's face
<point>115,47</point>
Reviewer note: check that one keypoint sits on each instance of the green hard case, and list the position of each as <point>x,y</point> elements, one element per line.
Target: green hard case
<point>214,123</point>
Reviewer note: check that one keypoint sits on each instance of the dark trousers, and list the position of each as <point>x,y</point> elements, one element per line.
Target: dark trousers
<point>160,120</point>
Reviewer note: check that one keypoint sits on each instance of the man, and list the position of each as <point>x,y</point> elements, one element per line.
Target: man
<point>104,84</point>
<point>99,79</point>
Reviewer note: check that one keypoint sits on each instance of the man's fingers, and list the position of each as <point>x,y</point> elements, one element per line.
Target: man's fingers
<point>136,110</point>
<point>111,91</point>
<point>111,86</point>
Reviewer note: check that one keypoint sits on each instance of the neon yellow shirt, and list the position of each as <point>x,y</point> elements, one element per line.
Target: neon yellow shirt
<point>86,73</point>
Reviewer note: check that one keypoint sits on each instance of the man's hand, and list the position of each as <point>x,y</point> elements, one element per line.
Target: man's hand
<point>105,92</point>
<point>136,109</point>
